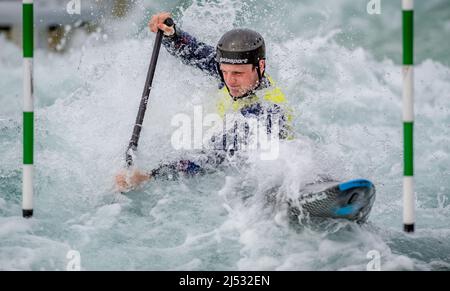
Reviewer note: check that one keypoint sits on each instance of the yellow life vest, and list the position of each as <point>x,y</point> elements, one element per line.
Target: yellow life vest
<point>272,94</point>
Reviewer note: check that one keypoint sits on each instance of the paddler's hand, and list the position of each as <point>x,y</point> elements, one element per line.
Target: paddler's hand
<point>157,22</point>
<point>128,180</point>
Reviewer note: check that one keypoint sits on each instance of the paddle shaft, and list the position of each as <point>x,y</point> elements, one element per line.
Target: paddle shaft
<point>132,146</point>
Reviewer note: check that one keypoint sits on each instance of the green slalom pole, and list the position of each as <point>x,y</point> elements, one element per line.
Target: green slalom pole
<point>408,115</point>
<point>28,109</point>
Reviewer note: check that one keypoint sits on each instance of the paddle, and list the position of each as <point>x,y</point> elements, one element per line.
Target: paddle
<point>132,146</point>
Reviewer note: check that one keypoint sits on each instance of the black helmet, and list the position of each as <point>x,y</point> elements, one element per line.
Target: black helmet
<point>241,46</point>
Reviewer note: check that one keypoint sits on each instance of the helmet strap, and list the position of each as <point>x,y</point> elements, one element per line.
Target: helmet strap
<point>223,79</point>
<point>258,70</point>
<point>219,71</point>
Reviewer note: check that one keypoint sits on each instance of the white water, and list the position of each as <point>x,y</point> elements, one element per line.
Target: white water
<point>345,94</point>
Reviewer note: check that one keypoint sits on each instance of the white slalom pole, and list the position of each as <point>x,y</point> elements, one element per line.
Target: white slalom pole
<point>408,115</point>
<point>28,109</point>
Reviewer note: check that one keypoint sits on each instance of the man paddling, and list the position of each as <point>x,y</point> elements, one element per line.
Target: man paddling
<point>239,63</point>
